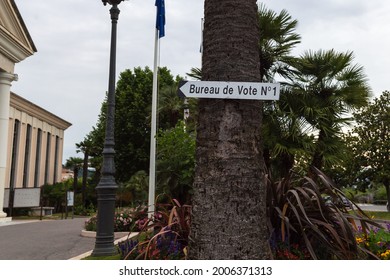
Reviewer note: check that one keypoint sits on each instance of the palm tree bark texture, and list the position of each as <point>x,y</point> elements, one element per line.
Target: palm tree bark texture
<point>229,211</point>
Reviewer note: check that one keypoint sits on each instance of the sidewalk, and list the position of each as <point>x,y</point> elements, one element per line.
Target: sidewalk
<point>17,222</point>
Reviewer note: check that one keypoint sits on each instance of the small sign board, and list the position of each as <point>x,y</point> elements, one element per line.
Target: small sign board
<point>230,90</point>
<point>6,198</point>
<point>70,198</point>
<point>27,197</point>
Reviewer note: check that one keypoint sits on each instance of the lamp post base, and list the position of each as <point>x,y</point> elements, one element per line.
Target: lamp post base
<point>104,248</point>
<point>104,244</point>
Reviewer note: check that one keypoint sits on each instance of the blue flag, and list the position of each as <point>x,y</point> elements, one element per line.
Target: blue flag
<point>160,21</point>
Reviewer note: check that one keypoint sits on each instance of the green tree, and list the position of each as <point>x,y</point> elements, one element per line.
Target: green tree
<point>87,148</point>
<point>229,217</point>
<point>286,135</point>
<point>277,39</point>
<point>195,73</point>
<point>136,189</point>
<point>283,128</point>
<point>370,142</point>
<point>74,163</point>
<point>132,120</point>
<point>326,87</point>
<point>176,162</point>
<point>170,107</point>
<point>95,138</point>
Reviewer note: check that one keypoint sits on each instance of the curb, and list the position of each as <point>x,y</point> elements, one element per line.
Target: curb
<point>92,234</point>
<point>123,238</point>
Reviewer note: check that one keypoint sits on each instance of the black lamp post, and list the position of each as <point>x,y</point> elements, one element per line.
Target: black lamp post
<point>106,189</point>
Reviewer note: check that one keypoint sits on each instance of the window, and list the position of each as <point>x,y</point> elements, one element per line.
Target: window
<point>27,152</point>
<point>38,159</point>
<point>47,162</point>
<point>14,156</point>
<point>56,159</point>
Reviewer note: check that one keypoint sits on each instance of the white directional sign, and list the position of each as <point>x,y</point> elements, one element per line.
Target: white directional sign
<point>230,90</point>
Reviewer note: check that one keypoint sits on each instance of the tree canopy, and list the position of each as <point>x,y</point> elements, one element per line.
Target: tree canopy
<point>326,87</point>
<point>132,118</point>
<point>369,143</point>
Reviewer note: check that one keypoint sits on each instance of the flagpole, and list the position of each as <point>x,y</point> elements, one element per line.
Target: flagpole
<point>153,132</point>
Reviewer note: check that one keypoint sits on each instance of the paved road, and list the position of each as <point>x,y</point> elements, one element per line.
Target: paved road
<point>44,240</point>
<point>372,207</point>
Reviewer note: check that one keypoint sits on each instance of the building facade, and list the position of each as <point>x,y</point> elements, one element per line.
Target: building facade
<point>31,138</point>
<point>36,139</point>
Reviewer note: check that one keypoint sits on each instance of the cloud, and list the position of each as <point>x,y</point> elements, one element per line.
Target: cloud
<point>69,74</point>
<point>345,25</point>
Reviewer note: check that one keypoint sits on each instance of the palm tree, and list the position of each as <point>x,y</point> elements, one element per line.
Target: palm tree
<point>286,135</point>
<point>326,87</point>
<point>74,163</point>
<point>195,73</point>
<point>229,215</point>
<point>277,39</point>
<point>170,107</point>
<point>86,148</point>
<point>283,129</point>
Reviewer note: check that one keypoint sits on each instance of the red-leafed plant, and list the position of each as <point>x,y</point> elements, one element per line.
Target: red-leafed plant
<point>301,220</point>
<point>163,236</point>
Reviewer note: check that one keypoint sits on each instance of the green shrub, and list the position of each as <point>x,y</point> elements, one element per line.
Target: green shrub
<point>176,162</point>
<point>54,195</point>
<point>124,220</point>
<point>380,193</point>
<point>82,211</point>
<point>135,191</point>
<point>90,224</point>
<point>366,197</point>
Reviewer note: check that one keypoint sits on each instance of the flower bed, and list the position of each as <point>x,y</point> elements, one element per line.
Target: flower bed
<point>162,237</point>
<point>376,241</point>
<point>126,220</point>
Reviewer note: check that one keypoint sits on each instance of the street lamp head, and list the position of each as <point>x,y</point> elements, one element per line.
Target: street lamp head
<point>111,2</point>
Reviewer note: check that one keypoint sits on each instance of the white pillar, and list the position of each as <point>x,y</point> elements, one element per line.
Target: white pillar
<point>5,88</point>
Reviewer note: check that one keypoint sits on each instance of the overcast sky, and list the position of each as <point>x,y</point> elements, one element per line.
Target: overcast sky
<point>68,76</point>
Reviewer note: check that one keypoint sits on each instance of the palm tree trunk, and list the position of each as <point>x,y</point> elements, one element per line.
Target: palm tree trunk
<point>229,216</point>
<point>317,160</point>
<point>287,164</point>
<point>386,182</point>
<point>75,178</point>
<point>85,177</point>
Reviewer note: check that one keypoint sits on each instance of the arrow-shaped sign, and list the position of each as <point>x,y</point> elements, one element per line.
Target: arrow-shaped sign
<point>230,90</point>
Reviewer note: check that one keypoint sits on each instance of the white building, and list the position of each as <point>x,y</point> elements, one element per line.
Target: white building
<point>31,138</point>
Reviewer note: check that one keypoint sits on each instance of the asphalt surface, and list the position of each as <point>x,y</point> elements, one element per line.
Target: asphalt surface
<point>372,207</point>
<point>44,240</point>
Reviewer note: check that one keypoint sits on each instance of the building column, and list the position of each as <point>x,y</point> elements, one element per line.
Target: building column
<point>5,95</point>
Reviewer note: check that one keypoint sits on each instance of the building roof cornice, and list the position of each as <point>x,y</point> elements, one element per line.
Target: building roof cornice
<point>17,43</point>
<point>32,109</point>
